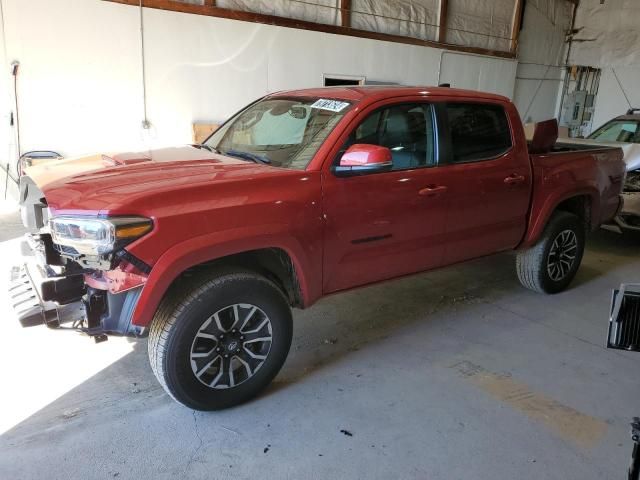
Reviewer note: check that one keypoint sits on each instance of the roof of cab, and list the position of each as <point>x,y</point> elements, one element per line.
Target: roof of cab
<point>374,92</point>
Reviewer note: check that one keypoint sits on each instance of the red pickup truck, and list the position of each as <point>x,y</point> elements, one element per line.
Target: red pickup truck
<point>206,248</point>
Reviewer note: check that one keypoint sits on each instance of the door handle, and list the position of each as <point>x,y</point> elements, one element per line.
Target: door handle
<point>514,179</point>
<point>432,190</point>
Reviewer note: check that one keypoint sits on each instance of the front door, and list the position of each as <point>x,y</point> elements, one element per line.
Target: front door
<point>383,225</point>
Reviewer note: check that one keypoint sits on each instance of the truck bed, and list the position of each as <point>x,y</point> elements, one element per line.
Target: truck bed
<point>567,145</point>
<point>596,172</point>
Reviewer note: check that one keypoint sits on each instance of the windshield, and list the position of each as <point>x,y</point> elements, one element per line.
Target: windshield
<point>626,131</point>
<point>283,132</point>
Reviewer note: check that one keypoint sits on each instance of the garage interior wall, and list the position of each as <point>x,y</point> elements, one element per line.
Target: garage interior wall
<point>81,89</point>
<point>7,138</point>
<point>609,38</point>
<point>319,11</point>
<point>418,19</point>
<point>541,57</point>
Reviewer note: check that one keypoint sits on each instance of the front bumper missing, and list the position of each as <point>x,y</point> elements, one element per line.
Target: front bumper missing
<point>26,296</point>
<point>628,223</point>
<point>42,292</point>
<point>628,219</point>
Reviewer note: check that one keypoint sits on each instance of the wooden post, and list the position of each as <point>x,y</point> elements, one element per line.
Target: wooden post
<point>209,3</point>
<point>442,22</point>
<point>345,12</point>
<point>516,22</point>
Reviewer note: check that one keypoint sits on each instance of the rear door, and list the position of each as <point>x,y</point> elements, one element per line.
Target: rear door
<point>386,224</point>
<point>489,178</point>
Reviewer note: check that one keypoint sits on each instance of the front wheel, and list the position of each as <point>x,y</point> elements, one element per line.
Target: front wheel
<point>218,342</point>
<point>550,265</point>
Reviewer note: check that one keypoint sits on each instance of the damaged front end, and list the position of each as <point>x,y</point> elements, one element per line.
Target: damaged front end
<point>77,275</point>
<point>628,220</point>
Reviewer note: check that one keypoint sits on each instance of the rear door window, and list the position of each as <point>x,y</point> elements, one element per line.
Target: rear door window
<point>478,131</point>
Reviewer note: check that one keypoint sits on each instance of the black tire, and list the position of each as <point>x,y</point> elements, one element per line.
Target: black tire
<point>181,315</point>
<point>532,263</point>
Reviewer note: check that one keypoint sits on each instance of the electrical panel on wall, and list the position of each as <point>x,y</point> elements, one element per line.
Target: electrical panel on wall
<point>578,100</point>
<point>573,108</point>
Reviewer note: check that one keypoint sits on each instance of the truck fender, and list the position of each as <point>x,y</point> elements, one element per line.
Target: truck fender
<point>214,246</point>
<point>541,214</point>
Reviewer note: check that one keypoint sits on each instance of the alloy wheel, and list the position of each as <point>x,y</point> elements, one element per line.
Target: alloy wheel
<point>562,255</point>
<point>231,346</point>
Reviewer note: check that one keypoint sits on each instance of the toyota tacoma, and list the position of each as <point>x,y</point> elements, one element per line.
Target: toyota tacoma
<point>206,248</point>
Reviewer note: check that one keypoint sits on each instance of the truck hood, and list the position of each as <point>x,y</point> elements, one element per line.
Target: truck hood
<point>631,150</point>
<point>140,177</point>
<point>49,172</point>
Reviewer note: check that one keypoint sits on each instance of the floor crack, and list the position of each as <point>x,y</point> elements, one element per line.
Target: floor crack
<point>200,442</point>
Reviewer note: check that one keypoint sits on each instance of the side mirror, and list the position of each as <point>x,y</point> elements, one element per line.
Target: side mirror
<point>363,158</point>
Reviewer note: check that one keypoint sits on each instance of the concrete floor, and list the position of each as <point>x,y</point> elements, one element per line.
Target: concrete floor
<point>455,374</point>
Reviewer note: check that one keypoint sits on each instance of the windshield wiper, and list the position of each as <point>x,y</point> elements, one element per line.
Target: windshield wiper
<point>206,147</point>
<point>248,156</point>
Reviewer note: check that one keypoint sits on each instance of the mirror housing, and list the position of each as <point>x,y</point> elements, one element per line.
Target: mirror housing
<point>364,158</point>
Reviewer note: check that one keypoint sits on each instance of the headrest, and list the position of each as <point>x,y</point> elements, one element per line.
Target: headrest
<point>397,123</point>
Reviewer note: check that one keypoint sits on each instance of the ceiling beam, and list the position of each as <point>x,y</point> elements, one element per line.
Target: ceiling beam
<point>516,23</point>
<point>304,25</point>
<point>442,21</point>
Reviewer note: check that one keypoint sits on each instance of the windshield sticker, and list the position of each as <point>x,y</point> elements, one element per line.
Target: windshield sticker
<point>331,105</point>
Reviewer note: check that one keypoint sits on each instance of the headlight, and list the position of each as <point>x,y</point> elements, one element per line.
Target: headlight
<point>96,236</point>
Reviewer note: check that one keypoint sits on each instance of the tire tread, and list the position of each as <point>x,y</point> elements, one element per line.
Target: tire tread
<point>531,263</point>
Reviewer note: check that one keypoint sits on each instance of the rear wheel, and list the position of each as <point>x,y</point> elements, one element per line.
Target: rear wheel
<point>219,341</point>
<point>550,265</point>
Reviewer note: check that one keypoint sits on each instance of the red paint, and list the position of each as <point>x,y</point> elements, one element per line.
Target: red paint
<point>340,232</point>
<point>559,176</point>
